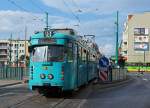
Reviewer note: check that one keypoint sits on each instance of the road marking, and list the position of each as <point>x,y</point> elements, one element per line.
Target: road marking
<point>12,86</point>
<point>10,93</point>
<point>82,103</point>
<point>145,79</point>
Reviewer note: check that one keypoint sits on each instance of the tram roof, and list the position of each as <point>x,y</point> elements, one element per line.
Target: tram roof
<point>56,35</point>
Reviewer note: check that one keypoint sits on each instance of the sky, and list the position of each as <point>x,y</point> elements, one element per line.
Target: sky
<point>96,17</point>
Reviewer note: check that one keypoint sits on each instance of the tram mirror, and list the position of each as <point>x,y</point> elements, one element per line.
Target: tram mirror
<point>65,51</point>
<point>30,49</point>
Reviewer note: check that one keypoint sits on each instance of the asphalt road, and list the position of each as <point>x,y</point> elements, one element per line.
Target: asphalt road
<point>12,95</point>
<point>135,94</point>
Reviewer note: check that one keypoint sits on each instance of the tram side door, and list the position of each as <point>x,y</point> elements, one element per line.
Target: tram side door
<point>77,65</point>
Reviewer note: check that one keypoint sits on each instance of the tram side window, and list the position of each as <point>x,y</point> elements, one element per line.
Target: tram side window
<point>80,53</point>
<point>70,52</point>
<point>84,55</point>
<point>92,57</point>
<point>75,51</point>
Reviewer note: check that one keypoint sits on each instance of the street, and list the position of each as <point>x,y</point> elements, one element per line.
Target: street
<point>134,94</point>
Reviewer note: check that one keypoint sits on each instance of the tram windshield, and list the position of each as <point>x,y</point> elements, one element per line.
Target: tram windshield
<point>48,53</point>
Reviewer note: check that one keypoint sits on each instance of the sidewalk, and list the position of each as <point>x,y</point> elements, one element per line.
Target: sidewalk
<point>4,83</point>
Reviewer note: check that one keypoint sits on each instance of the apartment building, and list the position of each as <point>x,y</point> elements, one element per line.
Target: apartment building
<point>136,41</point>
<point>13,52</point>
<point>4,52</point>
<point>17,51</point>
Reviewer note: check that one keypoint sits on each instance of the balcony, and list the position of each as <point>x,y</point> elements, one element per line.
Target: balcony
<point>3,59</point>
<point>4,47</point>
<point>3,53</point>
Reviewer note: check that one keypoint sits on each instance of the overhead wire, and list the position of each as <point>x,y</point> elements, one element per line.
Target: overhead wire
<point>37,6</point>
<point>77,6</point>
<point>22,8</point>
<point>34,17</point>
<point>76,17</point>
<point>18,6</point>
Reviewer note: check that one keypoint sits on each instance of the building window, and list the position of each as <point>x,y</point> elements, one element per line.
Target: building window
<point>125,43</point>
<point>141,31</point>
<point>125,52</point>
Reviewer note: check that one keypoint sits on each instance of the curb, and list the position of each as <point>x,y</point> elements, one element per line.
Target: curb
<point>113,84</point>
<point>6,85</point>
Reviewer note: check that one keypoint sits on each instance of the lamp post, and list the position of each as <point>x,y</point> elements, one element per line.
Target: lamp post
<point>144,61</point>
<point>117,34</point>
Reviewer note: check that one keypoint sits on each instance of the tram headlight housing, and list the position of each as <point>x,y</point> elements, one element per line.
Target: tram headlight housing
<point>42,76</point>
<point>50,76</point>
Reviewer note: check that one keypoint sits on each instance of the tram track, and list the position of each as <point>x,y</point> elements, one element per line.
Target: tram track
<point>19,103</point>
<point>44,102</point>
<point>38,100</point>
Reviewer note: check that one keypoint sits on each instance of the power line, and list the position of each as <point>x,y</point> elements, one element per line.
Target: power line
<point>18,6</point>
<point>37,6</point>
<point>77,6</point>
<point>77,18</point>
<point>21,8</point>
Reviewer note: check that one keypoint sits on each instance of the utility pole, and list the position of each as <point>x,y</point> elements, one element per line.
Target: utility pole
<point>46,31</point>
<point>46,20</point>
<point>144,57</point>
<point>117,34</point>
<point>144,61</point>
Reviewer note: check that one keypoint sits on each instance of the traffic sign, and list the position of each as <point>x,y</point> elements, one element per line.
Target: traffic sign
<point>104,62</point>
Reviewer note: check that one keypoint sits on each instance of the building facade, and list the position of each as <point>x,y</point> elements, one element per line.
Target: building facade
<point>4,52</point>
<point>13,52</point>
<point>136,38</point>
<point>19,48</point>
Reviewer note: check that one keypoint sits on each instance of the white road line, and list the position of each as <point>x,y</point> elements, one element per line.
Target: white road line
<point>12,86</point>
<point>82,103</point>
<point>10,93</point>
<point>145,79</point>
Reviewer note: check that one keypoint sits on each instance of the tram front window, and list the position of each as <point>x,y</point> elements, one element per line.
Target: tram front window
<point>55,53</point>
<point>39,54</point>
<point>48,53</point>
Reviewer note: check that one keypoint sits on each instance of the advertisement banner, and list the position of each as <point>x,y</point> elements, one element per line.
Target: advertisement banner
<point>141,39</point>
<point>141,46</point>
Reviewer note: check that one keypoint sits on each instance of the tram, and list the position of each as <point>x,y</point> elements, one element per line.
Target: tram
<point>60,59</point>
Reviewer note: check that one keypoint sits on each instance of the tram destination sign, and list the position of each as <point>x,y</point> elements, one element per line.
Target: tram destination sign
<point>46,41</point>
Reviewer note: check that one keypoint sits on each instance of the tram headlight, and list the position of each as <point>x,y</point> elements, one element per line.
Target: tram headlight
<point>42,76</point>
<point>50,76</point>
<point>32,68</point>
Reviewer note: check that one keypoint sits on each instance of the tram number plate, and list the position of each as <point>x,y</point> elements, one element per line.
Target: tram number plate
<point>46,41</point>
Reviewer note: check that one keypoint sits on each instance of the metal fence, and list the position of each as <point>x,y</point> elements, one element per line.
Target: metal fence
<point>13,73</point>
<point>119,74</point>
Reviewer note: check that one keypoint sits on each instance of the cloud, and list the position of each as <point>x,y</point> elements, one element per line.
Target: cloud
<point>15,21</point>
<point>98,6</point>
<point>97,17</point>
<point>107,49</point>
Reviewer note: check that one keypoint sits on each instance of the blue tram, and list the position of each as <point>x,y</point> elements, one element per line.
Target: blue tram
<point>61,59</point>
